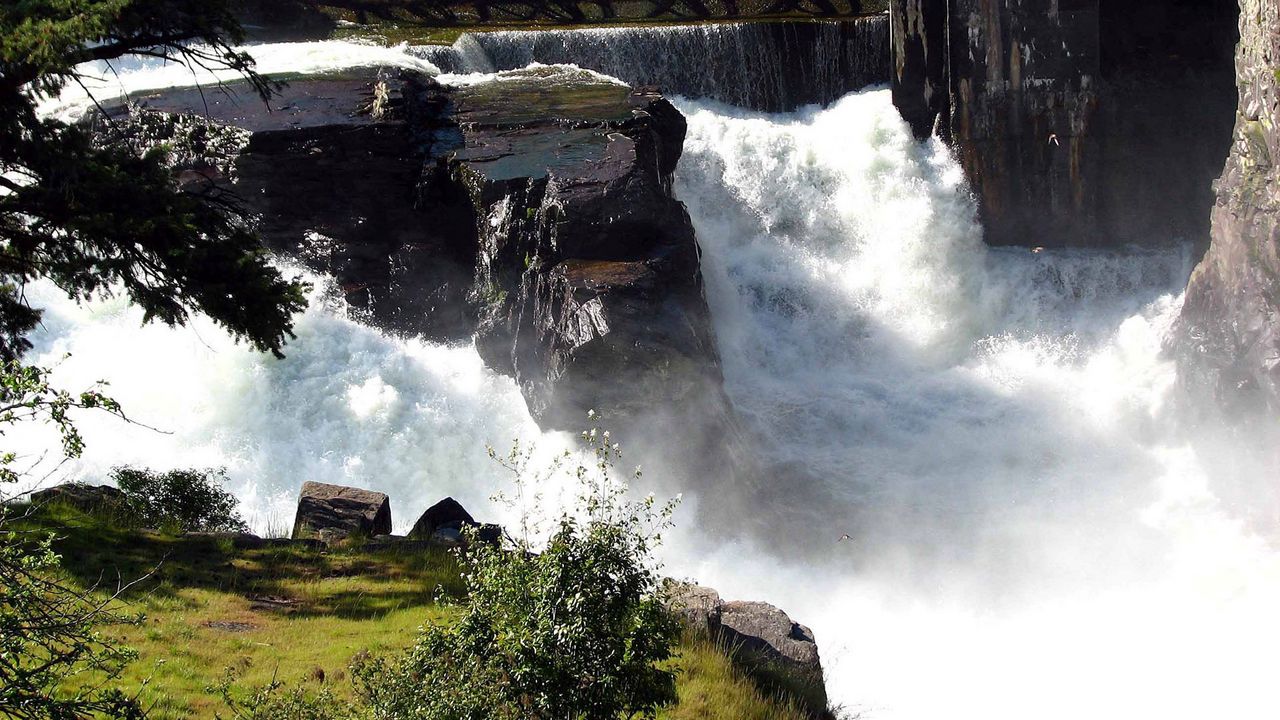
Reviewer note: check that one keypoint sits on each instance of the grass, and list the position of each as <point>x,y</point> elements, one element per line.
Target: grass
<point>710,684</point>
<point>300,615</point>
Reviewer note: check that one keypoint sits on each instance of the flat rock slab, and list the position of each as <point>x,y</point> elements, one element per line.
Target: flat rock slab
<point>332,510</point>
<point>332,100</point>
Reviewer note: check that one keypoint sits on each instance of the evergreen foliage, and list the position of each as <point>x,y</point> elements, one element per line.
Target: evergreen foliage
<point>93,216</point>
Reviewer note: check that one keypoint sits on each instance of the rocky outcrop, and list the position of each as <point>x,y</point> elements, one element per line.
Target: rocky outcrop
<point>335,512</point>
<point>533,211</point>
<point>757,627</point>
<point>1062,112</point>
<point>587,278</point>
<point>1227,340</point>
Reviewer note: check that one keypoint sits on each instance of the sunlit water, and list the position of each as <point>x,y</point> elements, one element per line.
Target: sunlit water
<point>991,426</point>
<point>1030,537</point>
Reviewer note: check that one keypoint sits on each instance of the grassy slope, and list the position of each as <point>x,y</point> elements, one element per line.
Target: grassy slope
<point>205,613</point>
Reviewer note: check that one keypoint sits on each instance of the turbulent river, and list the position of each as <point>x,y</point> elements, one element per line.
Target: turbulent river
<point>1031,537</point>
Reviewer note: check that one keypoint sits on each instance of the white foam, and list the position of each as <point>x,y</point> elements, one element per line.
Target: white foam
<point>109,81</point>
<point>1030,537</point>
<point>348,406</point>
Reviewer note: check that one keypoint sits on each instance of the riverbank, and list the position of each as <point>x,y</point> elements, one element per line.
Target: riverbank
<point>298,613</point>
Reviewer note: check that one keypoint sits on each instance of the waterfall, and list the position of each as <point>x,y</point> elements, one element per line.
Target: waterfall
<point>766,66</point>
<point>1031,537</point>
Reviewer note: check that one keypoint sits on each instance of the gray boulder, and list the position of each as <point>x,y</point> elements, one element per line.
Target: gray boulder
<point>698,606</point>
<point>760,628</point>
<point>334,512</point>
<point>764,628</point>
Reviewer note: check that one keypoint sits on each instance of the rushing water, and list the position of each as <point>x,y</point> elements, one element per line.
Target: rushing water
<point>767,66</point>
<point>993,427</point>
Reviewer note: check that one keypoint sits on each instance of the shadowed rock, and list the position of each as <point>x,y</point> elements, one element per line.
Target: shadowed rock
<point>446,513</point>
<point>1227,339</point>
<point>332,512</point>
<point>764,628</point>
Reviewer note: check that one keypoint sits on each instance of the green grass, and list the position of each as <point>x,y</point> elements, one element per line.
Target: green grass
<point>300,615</point>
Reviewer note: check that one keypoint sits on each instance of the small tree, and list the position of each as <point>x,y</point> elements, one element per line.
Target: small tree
<point>50,633</point>
<point>182,500</point>
<point>575,630</point>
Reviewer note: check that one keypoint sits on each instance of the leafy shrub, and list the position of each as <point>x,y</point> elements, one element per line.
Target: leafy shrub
<point>570,629</point>
<point>183,500</point>
<point>50,632</point>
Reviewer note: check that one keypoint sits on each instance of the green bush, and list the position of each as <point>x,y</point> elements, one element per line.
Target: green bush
<point>51,633</point>
<point>179,500</point>
<point>573,628</point>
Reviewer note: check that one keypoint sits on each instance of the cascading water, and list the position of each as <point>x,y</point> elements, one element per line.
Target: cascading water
<point>767,66</point>
<point>348,406</point>
<point>991,426</point>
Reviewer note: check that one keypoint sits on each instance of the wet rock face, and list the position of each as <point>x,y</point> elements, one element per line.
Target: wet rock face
<point>588,287</point>
<point>338,189</point>
<point>1062,111</point>
<point>533,212</point>
<point>1227,340</point>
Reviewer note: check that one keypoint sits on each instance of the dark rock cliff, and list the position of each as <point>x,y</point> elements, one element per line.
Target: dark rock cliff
<point>533,212</point>
<point>587,279</point>
<point>1227,340</point>
<point>1078,122</point>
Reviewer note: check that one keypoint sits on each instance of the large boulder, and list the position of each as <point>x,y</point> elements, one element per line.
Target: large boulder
<point>335,511</point>
<point>758,627</point>
<point>448,513</point>
<point>764,628</point>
